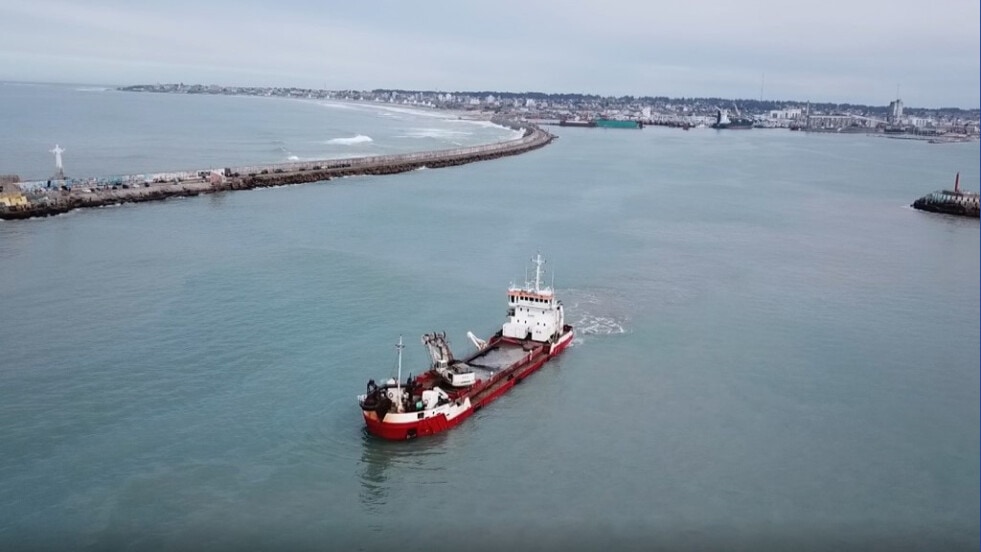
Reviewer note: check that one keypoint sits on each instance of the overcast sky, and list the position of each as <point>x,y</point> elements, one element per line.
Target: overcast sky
<point>854,51</point>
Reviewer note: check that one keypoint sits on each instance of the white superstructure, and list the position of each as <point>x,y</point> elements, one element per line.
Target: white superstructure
<point>533,311</point>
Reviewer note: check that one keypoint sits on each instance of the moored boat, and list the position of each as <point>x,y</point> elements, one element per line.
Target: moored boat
<point>738,122</point>
<point>452,389</point>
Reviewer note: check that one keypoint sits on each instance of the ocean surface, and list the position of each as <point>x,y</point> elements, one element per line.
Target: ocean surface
<point>107,132</point>
<point>774,351</point>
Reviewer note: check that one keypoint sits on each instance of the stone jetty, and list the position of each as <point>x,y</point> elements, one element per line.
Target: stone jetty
<point>951,202</point>
<point>45,201</point>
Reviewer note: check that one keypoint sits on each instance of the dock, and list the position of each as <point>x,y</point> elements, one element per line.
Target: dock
<point>46,198</point>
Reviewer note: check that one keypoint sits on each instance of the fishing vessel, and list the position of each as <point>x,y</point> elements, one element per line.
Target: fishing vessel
<point>452,389</point>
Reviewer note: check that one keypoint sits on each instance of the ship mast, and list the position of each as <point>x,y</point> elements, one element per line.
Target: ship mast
<point>398,380</point>
<point>538,271</point>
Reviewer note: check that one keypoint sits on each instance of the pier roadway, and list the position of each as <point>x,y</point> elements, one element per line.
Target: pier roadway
<point>45,202</point>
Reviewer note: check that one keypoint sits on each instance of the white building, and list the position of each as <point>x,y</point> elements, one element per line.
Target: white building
<point>786,114</point>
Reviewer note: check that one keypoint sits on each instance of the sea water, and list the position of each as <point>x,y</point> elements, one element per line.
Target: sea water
<point>773,350</point>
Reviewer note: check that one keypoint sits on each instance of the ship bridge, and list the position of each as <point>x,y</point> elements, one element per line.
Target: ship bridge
<point>533,312</point>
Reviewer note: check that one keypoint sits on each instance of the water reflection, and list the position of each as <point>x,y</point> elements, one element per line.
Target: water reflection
<point>386,465</point>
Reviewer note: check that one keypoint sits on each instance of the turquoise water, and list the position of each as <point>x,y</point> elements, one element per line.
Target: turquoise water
<point>774,351</point>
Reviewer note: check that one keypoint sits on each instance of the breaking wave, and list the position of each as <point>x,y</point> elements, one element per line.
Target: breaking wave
<point>485,124</point>
<point>292,158</point>
<point>338,105</point>
<point>418,112</point>
<point>433,133</point>
<point>359,139</point>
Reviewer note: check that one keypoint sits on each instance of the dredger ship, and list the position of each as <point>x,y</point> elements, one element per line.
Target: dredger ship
<point>452,389</point>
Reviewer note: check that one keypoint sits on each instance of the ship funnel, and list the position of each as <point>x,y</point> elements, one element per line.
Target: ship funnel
<point>957,182</point>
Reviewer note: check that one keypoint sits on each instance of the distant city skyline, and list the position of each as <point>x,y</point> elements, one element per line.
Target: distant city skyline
<point>839,52</point>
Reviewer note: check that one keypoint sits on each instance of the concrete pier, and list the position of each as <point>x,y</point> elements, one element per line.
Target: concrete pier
<point>52,201</point>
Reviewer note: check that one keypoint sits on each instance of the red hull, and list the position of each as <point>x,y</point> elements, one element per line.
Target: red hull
<point>480,398</point>
<point>422,428</point>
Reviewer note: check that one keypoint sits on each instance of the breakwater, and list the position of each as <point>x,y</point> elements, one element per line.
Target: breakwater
<point>964,204</point>
<point>54,197</point>
<point>951,202</point>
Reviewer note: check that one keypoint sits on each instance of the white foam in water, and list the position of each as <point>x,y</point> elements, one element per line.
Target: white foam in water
<point>594,314</point>
<point>292,158</point>
<point>433,133</point>
<point>359,139</point>
<point>485,124</point>
<point>419,112</point>
<point>337,105</point>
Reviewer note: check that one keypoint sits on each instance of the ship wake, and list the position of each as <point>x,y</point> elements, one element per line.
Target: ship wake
<point>596,313</point>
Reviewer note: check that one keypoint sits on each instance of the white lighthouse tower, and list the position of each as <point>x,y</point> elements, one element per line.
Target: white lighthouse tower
<point>57,151</point>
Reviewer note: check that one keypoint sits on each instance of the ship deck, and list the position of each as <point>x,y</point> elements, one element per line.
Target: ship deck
<point>498,357</point>
<point>488,364</point>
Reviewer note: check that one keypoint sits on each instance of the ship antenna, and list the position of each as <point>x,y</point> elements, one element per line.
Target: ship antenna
<point>398,379</point>
<point>957,182</point>
<point>538,271</point>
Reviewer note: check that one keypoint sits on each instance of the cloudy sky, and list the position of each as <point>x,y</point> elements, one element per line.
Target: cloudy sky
<point>854,51</point>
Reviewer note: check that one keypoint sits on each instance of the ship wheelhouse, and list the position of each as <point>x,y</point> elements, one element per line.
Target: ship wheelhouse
<point>533,311</point>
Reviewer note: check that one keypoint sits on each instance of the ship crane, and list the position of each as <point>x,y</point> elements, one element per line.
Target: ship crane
<point>454,373</point>
<point>438,349</point>
<point>721,116</point>
<point>477,342</point>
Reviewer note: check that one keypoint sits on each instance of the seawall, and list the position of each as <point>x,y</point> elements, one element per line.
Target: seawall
<point>47,202</point>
